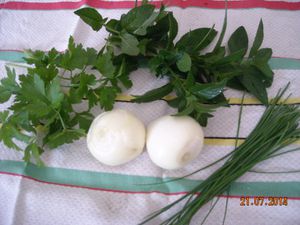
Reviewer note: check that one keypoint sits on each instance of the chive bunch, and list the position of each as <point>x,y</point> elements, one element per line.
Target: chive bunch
<point>277,128</point>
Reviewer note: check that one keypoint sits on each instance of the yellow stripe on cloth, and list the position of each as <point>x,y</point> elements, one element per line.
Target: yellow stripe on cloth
<point>228,141</point>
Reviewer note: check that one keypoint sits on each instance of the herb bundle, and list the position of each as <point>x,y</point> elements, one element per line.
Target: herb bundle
<point>143,37</point>
<point>277,128</point>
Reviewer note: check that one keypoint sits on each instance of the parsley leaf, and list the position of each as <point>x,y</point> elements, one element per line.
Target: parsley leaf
<point>63,137</point>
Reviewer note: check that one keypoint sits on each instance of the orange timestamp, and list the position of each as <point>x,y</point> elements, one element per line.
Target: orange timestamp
<point>263,201</point>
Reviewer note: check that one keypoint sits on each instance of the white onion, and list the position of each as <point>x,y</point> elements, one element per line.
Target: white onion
<point>116,137</point>
<point>174,141</point>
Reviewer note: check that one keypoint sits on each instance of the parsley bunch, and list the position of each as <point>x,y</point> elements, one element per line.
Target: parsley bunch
<point>45,97</point>
<point>143,37</point>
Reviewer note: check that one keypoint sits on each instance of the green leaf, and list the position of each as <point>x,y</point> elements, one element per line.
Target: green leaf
<point>10,81</point>
<point>260,61</point>
<point>4,94</point>
<point>113,26</point>
<point>253,82</point>
<point>3,116</point>
<point>75,56</point>
<point>184,64</point>
<point>84,119</point>
<point>213,57</point>
<point>105,65</point>
<point>196,40</point>
<point>54,93</point>
<point>39,85</point>
<point>38,58</point>
<point>92,98</point>
<point>91,17</point>
<point>143,46</point>
<point>8,85</point>
<point>235,83</point>
<point>63,137</point>
<point>233,57</point>
<point>155,94</point>
<point>32,97</point>
<point>178,102</point>
<point>209,90</point>
<point>259,37</point>
<point>221,37</point>
<point>107,96</point>
<point>262,56</point>
<point>187,111</point>
<point>32,89</point>
<point>173,29</point>
<point>82,82</point>
<point>190,78</point>
<point>142,29</point>
<point>47,73</point>
<point>9,132</point>
<point>138,19</point>
<point>33,150</point>
<point>238,41</point>
<point>129,44</point>
<point>91,56</point>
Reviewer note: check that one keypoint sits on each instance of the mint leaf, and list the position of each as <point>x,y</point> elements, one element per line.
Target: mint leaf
<point>91,17</point>
<point>258,39</point>
<point>142,29</point>
<point>113,26</point>
<point>138,19</point>
<point>260,61</point>
<point>155,94</point>
<point>173,29</point>
<point>253,81</point>
<point>129,44</point>
<point>238,41</point>
<point>184,64</point>
<point>196,40</point>
<point>209,90</point>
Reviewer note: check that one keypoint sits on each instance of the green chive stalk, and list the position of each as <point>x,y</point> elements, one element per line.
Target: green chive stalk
<point>277,128</point>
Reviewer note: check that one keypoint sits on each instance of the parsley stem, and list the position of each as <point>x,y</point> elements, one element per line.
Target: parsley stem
<point>84,68</point>
<point>61,120</point>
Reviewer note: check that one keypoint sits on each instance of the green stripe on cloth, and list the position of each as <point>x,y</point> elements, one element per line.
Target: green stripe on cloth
<point>133,183</point>
<point>275,63</point>
<point>285,63</point>
<point>12,56</point>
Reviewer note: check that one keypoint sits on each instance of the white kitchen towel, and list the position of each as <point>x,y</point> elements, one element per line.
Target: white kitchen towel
<point>76,189</point>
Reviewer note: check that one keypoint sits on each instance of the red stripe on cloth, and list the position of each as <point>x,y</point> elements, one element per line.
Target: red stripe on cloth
<point>119,191</point>
<point>129,4</point>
